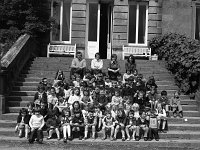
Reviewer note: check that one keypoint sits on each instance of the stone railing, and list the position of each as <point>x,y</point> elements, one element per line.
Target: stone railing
<point>12,63</point>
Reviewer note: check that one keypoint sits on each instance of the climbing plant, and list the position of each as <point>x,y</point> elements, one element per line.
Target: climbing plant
<point>182,55</point>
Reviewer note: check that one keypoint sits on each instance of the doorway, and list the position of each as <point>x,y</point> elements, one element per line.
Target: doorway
<point>99,27</point>
<point>103,30</point>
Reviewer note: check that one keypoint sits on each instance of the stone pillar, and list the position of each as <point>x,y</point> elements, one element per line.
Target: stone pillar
<point>2,91</point>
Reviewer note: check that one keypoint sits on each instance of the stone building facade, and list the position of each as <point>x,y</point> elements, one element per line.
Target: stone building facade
<point>104,26</point>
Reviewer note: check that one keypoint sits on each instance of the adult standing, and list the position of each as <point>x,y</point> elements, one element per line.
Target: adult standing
<point>113,68</point>
<point>96,64</point>
<point>78,65</point>
<point>130,64</point>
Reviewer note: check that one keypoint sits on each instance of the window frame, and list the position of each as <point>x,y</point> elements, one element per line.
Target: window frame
<point>61,23</point>
<point>137,24</point>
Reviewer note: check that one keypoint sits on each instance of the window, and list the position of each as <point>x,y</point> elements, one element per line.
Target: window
<point>138,21</point>
<point>197,29</point>
<point>61,12</point>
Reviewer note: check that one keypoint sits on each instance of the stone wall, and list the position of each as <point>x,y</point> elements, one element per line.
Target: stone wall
<point>154,18</point>
<point>78,23</point>
<point>177,16</point>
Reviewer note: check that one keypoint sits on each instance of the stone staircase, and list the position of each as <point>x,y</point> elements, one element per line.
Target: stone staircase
<point>185,129</point>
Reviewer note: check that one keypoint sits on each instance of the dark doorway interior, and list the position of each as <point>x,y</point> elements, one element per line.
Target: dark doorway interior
<point>103,30</point>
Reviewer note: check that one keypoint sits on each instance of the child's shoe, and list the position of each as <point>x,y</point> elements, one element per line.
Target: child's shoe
<point>157,139</point>
<point>174,114</point>
<point>181,114</point>
<point>84,138</point>
<point>114,138</point>
<point>80,138</point>
<point>145,139</point>
<point>111,139</point>
<point>123,139</point>
<point>65,140</point>
<point>137,139</point>
<point>164,131</point>
<point>48,138</point>
<point>128,139</point>
<point>103,138</point>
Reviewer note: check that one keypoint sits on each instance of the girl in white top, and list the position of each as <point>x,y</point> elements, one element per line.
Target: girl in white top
<point>75,97</point>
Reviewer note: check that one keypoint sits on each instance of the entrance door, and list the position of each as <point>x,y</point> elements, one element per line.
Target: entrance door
<point>99,29</point>
<point>105,30</point>
<point>93,29</point>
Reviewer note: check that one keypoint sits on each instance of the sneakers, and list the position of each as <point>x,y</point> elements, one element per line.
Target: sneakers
<point>128,139</point>
<point>123,139</point>
<point>84,138</point>
<point>48,138</point>
<point>145,139</point>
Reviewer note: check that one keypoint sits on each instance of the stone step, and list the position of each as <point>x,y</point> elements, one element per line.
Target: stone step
<point>34,87</point>
<point>38,79</point>
<point>20,98</point>
<point>26,101</point>
<point>190,113</point>
<point>52,74</point>
<point>184,120</point>
<point>184,127</point>
<point>169,135</point>
<point>17,83</point>
<point>161,84</point>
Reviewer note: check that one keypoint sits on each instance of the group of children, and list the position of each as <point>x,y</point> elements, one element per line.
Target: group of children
<point>129,105</point>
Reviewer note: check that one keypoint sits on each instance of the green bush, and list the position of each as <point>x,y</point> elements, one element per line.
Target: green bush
<point>23,16</point>
<point>182,55</point>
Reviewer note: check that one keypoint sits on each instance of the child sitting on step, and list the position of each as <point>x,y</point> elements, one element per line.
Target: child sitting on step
<point>22,123</point>
<point>131,126</point>
<point>108,125</point>
<point>164,102</point>
<point>120,124</point>
<point>65,124</point>
<point>36,124</point>
<point>175,103</point>
<point>77,124</point>
<point>90,123</point>
<point>53,124</point>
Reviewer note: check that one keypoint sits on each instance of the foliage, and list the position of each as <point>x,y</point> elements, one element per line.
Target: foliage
<point>182,55</point>
<point>23,16</point>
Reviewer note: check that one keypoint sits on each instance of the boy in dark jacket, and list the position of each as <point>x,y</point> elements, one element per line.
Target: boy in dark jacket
<point>22,123</point>
<point>53,125</point>
<point>77,123</point>
<point>143,124</point>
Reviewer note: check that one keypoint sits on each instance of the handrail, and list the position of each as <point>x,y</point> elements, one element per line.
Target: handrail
<point>14,50</point>
<point>12,64</point>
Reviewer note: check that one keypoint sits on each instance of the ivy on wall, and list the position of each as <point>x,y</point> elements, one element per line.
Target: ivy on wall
<point>182,55</point>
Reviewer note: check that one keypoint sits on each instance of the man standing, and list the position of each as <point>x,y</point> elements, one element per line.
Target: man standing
<point>78,65</point>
